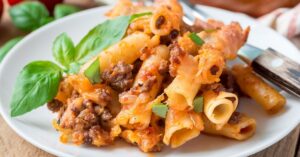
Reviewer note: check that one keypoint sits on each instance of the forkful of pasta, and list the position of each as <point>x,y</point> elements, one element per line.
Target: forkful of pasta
<point>283,74</point>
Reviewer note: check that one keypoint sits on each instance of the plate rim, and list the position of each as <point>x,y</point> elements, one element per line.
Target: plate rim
<point>7,119</point>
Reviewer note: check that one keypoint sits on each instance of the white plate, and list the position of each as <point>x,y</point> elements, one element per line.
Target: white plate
<point>36,127</point>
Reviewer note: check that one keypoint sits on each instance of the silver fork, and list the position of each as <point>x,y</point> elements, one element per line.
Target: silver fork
<point>285,75</point>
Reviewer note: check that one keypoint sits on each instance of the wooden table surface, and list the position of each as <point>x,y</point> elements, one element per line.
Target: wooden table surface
<point>12,145</point>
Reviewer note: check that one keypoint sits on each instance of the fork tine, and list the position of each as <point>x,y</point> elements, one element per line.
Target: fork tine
<point>188,20</point>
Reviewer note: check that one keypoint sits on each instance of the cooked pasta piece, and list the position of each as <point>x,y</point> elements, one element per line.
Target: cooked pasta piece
<point>141,25</point>
<point>173,5</point>
<point>135,112</point>
<point>64,91</point>
<point>181,126</point>
<point>166,17</point>
<point>239,127</point>
<point>161,22</point>
<point>148,139</point>
<point>265,95</point>
<point>228,39</point>
<point>126,7</point>
<point>183,89</point>
<point>211,64</point>
<point>123,7</point>
<point>127,50</point>
<point>218,107</point>
<point>187,44</point>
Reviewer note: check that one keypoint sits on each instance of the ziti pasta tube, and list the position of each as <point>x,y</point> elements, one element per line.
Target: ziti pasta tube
<point>265,95</point>
<point>218,107</point>
<point>239,127</point>
<point>165,19</point>
<point>135,112</point>
<point>211,65</point>
<point>127,50</point>
<point>181,126</point>
<point>148,139</point>
<point>183,89</point>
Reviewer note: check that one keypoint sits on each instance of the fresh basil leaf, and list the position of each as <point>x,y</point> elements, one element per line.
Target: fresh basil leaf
<point>64,50</point>
<point>29,15</point>
<point>46,20</point>
<point>7,46</point>
<point>93,72</point>
<point>62,10</point>
<point>102,36</point>
<point>160,110</point>
<point>196,39</point>
<point>74,68</point>
<point>36,84</point>
<point>135,16</point>
<point>198,104</point>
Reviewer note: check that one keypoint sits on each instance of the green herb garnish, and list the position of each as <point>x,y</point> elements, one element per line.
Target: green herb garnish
<point>36,84</point>
<point>64,50</point>
<point>196,39</point>
<point>93,72</point>
<point>30,15</point>
<point>160,110</point>
<point>136,16</point>
<point>8,46</point>
<point>102,36</point>
<point>62,10</point>
<point>198,104</point>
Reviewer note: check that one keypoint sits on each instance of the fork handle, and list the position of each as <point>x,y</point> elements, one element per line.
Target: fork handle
<point>279,69</point>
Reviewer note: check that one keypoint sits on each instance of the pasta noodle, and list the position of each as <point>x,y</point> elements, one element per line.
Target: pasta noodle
<point>147,139</point>
<point>187,44</point>
<point>136,113</point>
<point>161,23</point>
<point>181,126</point>
<point>228,39</point>
<point>266,96</point>
<point>211,65</point>
<point>127,50</point>
<point>241,127</point>
<point>126,7</point>
<point>166,18</point>
<point>218,107</point>
<point>184,87</point>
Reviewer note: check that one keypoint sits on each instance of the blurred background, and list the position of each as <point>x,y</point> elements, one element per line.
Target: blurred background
<point>10,27</point>
<point>267,11</point>
<point>254,8</point>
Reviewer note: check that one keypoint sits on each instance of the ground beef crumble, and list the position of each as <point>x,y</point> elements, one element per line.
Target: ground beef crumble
<point>119,77</point>
<point>54,105</point>
<point>176,54</point>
